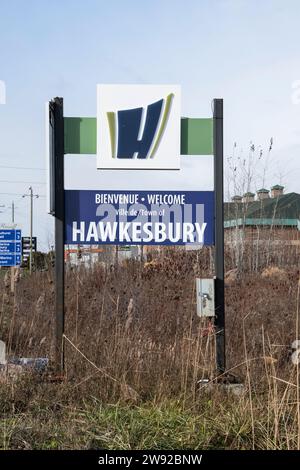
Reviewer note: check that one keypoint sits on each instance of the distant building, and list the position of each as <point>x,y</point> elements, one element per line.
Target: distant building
<point>87,255</point>
<point>237,198</point>
<point>277,190</point>
<point>265,218</point>
<point>262,194</point>
<point>248,197</point>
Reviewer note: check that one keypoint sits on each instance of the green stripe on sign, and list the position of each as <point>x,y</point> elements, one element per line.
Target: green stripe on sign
<point>80,135</point>
<point>196,136</point>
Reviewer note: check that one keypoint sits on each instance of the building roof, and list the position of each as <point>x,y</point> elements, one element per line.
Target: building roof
<point>249,194</point>
<point>263,190</point>
<point>277,186</point>
<point>285,209</point>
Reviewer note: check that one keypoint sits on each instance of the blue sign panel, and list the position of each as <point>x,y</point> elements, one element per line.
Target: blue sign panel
<point>10,247</point>
<point>139,217</point>
<point>10,260</point>
<point>7,260</point>
<point>7,235</point>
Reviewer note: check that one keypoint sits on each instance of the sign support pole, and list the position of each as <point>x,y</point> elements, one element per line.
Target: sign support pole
<point>57,104</point>
<point>219,235</point>
<point>12,279</point>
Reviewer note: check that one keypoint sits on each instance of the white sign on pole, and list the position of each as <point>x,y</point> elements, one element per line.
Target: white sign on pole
<point>138,127</point>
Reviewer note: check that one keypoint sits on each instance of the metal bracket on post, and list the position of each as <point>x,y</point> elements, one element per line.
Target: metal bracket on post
<point>219,235</point>
<point>56,106</point>
<point>205,294</point>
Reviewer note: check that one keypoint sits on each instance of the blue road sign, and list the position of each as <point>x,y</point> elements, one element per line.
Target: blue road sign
<point>7,235</point>
<point>10,247</point>
<point>139,217</point>
<point>7,260</point>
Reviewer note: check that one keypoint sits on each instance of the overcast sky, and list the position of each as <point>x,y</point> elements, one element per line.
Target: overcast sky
<point>247,52</point>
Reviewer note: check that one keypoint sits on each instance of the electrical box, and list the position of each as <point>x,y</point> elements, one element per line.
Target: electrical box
<point>205,292</point>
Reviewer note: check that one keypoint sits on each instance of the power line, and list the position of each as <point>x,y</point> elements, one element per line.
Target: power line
<point>23,168</point>
<point>25,182</point>
<point>18,200</point>
<point>13,194</point>
<point>20,194</point>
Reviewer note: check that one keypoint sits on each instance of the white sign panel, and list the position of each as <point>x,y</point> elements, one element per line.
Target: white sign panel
<point>138,127</point>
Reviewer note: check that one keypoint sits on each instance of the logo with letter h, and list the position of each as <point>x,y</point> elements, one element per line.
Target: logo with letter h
<point>136,133</point>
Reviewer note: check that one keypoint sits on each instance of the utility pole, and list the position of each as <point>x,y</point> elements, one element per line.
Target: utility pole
<point>31,195</point>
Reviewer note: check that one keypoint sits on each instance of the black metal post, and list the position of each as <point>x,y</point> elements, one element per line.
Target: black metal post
<point>59,230</point>
<point>219,235</point>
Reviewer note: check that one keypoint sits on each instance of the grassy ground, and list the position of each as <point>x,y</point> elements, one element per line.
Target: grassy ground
<point>136,353</point>
<point>211,424</point>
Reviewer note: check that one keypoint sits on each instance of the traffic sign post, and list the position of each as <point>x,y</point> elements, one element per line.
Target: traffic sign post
<point>26,248</point>
<point>10,251</point>
<point>10,247</point>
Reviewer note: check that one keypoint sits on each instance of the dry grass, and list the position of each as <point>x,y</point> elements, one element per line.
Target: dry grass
<point>136,351</point>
